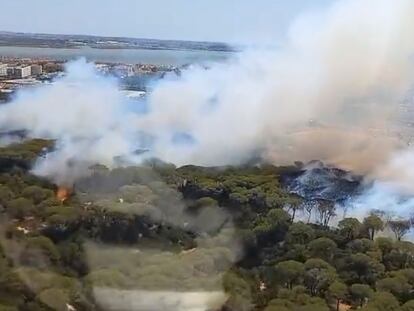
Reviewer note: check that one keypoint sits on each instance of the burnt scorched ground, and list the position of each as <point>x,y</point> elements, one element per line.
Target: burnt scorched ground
<point>318,181</point>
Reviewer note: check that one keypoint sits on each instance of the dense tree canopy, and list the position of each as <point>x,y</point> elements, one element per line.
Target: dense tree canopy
<point>192,229</point>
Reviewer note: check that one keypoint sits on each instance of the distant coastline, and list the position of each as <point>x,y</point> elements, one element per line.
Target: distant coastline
<point>57,41</point>
<point>126,56</point>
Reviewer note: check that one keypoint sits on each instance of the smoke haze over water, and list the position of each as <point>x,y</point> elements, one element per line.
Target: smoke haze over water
<point>330,92</point>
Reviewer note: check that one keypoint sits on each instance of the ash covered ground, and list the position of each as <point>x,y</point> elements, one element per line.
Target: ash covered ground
<point>317,180</point>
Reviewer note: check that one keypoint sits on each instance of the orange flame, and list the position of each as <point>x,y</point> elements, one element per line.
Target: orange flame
<point>63,193</point>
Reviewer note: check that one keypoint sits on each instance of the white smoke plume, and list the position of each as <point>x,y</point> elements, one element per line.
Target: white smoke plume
<point>345,68</point>
<point>330,92</point>
<point>392,191</point>
<point>84,112</point>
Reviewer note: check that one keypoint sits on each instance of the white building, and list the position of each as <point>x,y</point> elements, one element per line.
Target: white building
<point>123,70</point>
<point>10,71</point>
<point>23,71</point>
<point>102,68</point>
<point>3,70</point>
<point>19,71</point>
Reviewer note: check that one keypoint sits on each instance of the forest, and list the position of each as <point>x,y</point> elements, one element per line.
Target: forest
<point>158,228</point>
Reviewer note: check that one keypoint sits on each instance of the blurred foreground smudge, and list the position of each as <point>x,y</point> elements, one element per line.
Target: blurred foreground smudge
<point>155,301</point>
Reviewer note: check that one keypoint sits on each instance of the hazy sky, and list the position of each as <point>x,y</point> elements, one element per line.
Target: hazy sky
<point>212,20</point>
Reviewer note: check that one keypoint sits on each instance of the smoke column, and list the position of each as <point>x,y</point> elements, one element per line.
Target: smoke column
<point>345,68</point>
<point>330,92</point>
<point>85,113</point>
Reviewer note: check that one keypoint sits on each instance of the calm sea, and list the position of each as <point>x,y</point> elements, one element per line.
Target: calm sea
<point>159,57</point>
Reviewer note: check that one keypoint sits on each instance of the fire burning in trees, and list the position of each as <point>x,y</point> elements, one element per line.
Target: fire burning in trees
<point>63,193</point>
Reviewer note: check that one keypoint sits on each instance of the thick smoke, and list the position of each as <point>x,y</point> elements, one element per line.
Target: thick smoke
<point>392,191</point>
<point>330,92</point>
<point>84,112</point>
<point>343,71</point>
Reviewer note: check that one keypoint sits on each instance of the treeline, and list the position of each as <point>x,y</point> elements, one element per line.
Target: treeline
<point>290,265</point>
<point>206,229</point>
